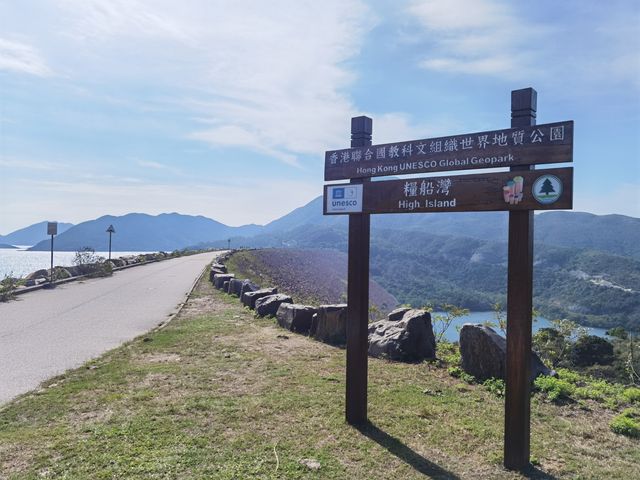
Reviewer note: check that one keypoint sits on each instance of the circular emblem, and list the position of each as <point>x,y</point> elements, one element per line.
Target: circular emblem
<point>547,189</point>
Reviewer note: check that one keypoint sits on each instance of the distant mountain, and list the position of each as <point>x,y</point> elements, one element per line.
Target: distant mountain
<point>614,234</point>
<point>142,232</point>
<point>32,234</point>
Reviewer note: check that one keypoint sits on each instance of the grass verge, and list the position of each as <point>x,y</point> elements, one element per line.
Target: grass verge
<point>220,394</point>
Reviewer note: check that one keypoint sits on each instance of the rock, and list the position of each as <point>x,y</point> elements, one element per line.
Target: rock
<point>248,286</point>
<point>484,354</point>
<point>219,279</point>
<point>225,286</point>
<point>38,274</point>
<point>407,339</point>
<point>310,463</point>
<point>330,326</point>
<point>235,286</point>
<point>295,317</point>
<point>219,266</point>
<point>117,262</point>
<point>60,273</point>
<point>213,272</point>
<point>74,271</point>
<point>249,298</point>
<point>269,305</point>
<point>314,325</point>
<point>398,313</point>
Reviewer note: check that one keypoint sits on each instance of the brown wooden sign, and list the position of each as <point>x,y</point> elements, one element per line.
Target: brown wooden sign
<point>527,145</point>
<point>550,189</point>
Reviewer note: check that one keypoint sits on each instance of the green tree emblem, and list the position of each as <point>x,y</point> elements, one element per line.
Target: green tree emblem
<point>547,187</point>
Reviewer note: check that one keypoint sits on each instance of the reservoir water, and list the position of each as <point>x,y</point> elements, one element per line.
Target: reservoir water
<point>20,262</point>
<point>452,334</point>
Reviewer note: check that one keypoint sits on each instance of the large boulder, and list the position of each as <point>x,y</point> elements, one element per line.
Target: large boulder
<point>248,286</point>
<point>220,278</point>
<point>397,314</point>
<point>407,339</point>
<point>213,272</point>
<point>249,298</point>
<point>295,317</point>
<point>484,354</point>
<point>235,286</point>
<point>44,273</point>
<point>117,262</point>
<point>329,325</point>
<point>219,266</point>
<point>269,305</point>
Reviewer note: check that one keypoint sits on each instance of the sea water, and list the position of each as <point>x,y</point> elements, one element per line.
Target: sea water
<point>21,262</point>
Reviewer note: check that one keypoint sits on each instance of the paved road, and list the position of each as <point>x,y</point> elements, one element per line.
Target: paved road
<point>46,332</point>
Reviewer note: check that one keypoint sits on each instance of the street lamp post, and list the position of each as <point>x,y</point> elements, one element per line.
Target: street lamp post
<point>110,231</point>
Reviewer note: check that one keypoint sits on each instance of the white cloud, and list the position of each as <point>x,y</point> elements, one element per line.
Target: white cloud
<point>484,37</point>
<point>395,126</point>
<point>269,77</point>
<point>26,164</point>
<point>22,58</point>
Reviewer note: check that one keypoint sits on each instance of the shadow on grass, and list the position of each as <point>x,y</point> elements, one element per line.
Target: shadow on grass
<point>404,453</point>
<point>533,473</point>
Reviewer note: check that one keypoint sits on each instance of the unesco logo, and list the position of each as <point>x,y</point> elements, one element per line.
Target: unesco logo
<point>338,193</point>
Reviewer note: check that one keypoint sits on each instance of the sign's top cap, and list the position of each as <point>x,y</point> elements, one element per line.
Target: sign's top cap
<point>111,229</point>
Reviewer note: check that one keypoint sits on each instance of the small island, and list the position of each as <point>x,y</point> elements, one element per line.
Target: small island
<point>5,245</point>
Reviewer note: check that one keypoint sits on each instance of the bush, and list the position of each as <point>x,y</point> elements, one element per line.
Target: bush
<point>495,386</point>
<point>632,394</point>
<point>627,423</point>
<point>556,389</point>
<point>591,350</point>
<point>8,287</point>
<point>457,372</point>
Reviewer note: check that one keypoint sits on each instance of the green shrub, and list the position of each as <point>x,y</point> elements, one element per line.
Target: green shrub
<point>457,372</point>
<point>627,423</point>
<point>449,353</point>
<point>495,386</point>
<point>601,391</point>
<point>556,389</point>
<point>569,375</point>
<point>8,287</point>
<point>632,394</point>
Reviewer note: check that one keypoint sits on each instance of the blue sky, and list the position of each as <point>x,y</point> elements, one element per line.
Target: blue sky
<point>225,109</point>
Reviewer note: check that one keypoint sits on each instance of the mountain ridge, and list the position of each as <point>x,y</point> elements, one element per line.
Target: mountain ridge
<point>32,234</point>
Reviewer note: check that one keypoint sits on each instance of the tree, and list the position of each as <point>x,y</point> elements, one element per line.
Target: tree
<point>547,187</point>
<point>591,350</point>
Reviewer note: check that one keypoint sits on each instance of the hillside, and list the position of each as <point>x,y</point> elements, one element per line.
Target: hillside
<point>616,234</point>
<point>32,234</point>
<point>310,276</point>
<point>142,232</point>
<point>592,288</point>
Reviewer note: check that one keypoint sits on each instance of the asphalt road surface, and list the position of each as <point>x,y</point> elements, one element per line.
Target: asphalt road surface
<point>46,332</point>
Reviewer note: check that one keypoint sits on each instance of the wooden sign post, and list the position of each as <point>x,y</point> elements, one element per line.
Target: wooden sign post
<point>517,407</point>
<point>358,294</point>
<point>520,191</point>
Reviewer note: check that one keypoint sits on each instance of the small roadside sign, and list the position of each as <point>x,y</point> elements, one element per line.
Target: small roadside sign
<point>52,228</point>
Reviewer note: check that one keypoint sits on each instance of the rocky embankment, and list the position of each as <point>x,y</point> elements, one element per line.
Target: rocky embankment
<point>93,269</point>
<point>405,335</point>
